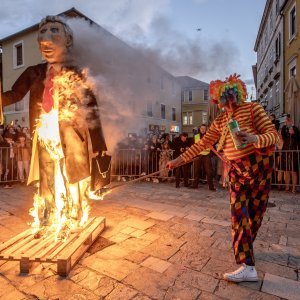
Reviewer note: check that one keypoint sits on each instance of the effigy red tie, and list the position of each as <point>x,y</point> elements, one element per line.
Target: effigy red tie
<point>48,98</point>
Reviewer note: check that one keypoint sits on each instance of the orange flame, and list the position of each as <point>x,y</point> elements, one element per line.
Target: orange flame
<point>69,210</point>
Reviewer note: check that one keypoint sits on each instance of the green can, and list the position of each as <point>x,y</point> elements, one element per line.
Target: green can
<point>233,126</point>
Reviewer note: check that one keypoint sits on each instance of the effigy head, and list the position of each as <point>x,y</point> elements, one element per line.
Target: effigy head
<point>55,39</point>
<point>232,90</point>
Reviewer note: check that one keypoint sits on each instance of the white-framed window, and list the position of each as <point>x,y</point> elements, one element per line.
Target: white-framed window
<point>20,105</point>
<point>163,111</point>
<point>292,68</point>
<point>149,110</point>
<point>292,22</point>
<point>18,54</point>
<point>187,118</point>
<point>204,117</point>
<point>173,113</point>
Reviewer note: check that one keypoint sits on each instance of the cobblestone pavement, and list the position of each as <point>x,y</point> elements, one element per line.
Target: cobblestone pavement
<point>161,243</point>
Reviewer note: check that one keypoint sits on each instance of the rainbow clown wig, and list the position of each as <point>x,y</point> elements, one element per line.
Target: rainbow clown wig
<point>232,89</point>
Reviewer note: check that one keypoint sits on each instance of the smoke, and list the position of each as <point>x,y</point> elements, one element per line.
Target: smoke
<point>199,57</point>
<point>120,70</point>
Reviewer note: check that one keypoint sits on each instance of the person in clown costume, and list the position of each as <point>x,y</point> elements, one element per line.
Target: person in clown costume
<point>248,153</point>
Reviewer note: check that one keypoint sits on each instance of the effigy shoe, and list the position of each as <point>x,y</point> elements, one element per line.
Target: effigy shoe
<point>244,273</point>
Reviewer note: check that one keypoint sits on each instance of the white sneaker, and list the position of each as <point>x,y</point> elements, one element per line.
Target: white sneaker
<point>244,273</point>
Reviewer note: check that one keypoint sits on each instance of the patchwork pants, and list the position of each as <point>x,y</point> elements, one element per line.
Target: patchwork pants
<point>250,184</point>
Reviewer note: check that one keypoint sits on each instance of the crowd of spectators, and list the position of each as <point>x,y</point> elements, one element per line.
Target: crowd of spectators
<point>15,152</point>
<point>144,155</point>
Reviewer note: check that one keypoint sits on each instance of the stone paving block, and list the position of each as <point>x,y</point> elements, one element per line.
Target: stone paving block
<point>294,242</point>
<point>160,216</point>
<point>149,237</point>
<point>138,233</point>
<point>194,217</point>
<point>113,252</point>
<point>156,264</point>
<point>207,232</point>
<point>163,249</point>
<point>198,280</point>
<point>149,283</point>
<point>128,230</point>
<point>136,244</point>
<point>56,288</point>
<point>233,291</point>
<point>217,268</point>
<point>283,240</point>
<point>281,287</point>
<point>121,292</point>
<point>119,237</point>
<point>216,222</point>
<point>138,223</point>
<point>179,291</point>
<point>117,269</point>
<point>275,269</point>
<point>179,212</point>
<point>136,257</point>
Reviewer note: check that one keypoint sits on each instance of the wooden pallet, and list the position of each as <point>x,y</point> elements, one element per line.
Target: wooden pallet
<point>29,250</point>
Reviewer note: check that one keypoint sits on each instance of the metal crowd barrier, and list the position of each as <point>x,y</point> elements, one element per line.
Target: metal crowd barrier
<point>131,163</point>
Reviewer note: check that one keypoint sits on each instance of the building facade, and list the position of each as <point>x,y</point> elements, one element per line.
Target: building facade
<point>268,72</point>
<point>154,93</point>
<point>277,46</point>
<point>291,14</point>
<point>194,101</point>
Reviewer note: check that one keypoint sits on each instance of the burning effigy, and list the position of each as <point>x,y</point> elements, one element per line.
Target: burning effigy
<point>66,128</point>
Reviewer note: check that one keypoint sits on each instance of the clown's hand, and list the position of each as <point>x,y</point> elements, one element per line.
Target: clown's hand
<point>175,163</point>
<point>246,138</point>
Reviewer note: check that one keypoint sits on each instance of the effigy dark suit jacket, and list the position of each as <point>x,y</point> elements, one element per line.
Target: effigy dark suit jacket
<point>78,142</point>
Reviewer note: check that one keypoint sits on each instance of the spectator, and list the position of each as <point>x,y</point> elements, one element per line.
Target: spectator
<point>154,151</point>
<point>165,156</point>
<point>8,160</point>
<point>275,121</point>
<point>23,157</point>
<point>180,146</point>
<point>289,161</point>
<point>203,162</point>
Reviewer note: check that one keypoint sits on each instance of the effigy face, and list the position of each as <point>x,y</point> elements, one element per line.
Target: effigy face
<point>53,42</point>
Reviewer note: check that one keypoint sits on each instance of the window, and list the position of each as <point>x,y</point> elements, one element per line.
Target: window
<point>20,105</point>
<point>18,55</point>
<point>204,117</point>
<point>149,110</point>
<point>276,93</point>
<point>292,22</point>
<point>173,114</point>
<point>162,82</point>
<point>205,95</point>
<point>163,111</point>
<point>182,96</point>
<point>292,68</point>
<point>190,95</point>
<point>271,21</point>
<point>277,7</point>
<point>187,118</point>
<point>278,46</point>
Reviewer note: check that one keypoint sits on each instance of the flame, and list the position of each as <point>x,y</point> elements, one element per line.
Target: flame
<point>67,208</point>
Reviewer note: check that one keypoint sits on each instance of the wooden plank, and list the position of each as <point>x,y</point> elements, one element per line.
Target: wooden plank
<point>68,241</point>
<point>33,249</point>
<point>83,237</point>
<point>15,239</point>
<point>7,253</point>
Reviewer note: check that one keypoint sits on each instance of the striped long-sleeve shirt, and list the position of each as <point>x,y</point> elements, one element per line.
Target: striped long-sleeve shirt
<point>251,118</point>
